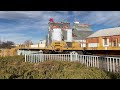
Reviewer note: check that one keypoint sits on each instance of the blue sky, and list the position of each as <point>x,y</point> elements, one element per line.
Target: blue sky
<point>19,26</point>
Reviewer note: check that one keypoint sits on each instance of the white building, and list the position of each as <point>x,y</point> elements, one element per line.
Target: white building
<point>41,44</point>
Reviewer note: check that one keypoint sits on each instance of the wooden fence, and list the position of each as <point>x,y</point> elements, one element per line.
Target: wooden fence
<point>111,64</point>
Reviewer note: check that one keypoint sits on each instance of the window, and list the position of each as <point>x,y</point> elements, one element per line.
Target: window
<point>114,43</point>
<point>40,42</point>
<point>105,41</point>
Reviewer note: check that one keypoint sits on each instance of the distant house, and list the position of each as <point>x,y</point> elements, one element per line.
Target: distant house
<point>105,38</point>
<point>41,44</point>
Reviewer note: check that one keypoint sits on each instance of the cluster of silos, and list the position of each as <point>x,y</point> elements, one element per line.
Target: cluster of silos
<point>58,31</point>
<point>58,35</point>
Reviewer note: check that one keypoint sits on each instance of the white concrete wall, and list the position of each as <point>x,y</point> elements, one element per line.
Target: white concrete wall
<point>42,43</point>
<point>69,35</point>
<point>92,44</point>
<point>34,46</point>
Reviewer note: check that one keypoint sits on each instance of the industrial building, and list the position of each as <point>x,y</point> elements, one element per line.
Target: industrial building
<point>61,37</point>
<point>65,32</point>
<point>80,32</point>
<point>57,31</point>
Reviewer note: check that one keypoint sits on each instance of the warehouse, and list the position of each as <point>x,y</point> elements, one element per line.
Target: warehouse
<point>80,32</point>
<point>104,39</point>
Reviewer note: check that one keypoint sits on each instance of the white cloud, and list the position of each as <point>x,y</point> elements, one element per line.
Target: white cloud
<point>109,18</point>
<point>15,37</point>
<point>38,21</point>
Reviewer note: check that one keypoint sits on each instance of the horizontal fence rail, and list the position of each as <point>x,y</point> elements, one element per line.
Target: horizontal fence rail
<point>111,64</point>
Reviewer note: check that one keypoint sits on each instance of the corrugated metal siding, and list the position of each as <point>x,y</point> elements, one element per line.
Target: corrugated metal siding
<point>84,29</point>
<point>106,32</point>
<point>64,33</point>
<point>80,27</point>
<point>50,39</point>
<point>81,34</point>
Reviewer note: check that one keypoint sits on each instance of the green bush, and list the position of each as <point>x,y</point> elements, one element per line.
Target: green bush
<point>15,68</point>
